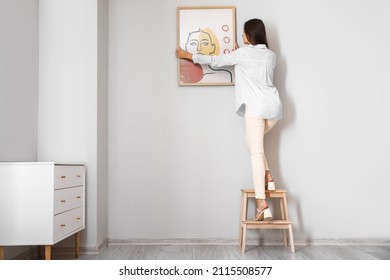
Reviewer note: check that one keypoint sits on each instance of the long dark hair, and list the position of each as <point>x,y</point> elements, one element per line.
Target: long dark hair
<point>255,32</point>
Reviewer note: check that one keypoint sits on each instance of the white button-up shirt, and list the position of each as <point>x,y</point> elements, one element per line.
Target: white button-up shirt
<point>254,67</point>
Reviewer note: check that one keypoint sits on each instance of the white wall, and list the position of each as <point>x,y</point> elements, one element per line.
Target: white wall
<point>102,122</point>
<point>18,80</point>
<point>177,157</point>
<point>71,85</point>
<point>18,85</point>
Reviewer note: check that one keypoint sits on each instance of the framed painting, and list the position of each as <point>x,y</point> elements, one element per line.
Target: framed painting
<point>208,31</point>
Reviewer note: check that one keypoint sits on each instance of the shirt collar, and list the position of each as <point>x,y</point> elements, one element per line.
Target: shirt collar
<point>258,46</point>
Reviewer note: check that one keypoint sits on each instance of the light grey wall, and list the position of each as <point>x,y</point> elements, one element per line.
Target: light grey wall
<point>73,99</point>
<point>18,80</point>
<point>18,85</point>
<point>177,157</point>
<point>102,121</point>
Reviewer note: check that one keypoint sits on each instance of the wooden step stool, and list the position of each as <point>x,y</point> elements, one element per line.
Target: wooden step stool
<point>284,223</point>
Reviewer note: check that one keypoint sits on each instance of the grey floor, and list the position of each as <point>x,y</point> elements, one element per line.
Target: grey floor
<point>231,252</point>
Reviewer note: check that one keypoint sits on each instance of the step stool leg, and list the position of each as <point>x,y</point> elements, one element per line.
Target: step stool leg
<point>283,216</point>
<point>291,238</point>
<point>241,229</point>
<point>285,239</point>
<point>243,214</point>
<point>244,207</point>
<point>285,209</point>
<point>243,239</point>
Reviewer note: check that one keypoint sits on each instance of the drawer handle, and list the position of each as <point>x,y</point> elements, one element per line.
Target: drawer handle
<point>78,176</point>
<point>63,225</point>
<point>63,200</point>
<point>78,218</point>
<point>63,177</point>
<point>78,197</point>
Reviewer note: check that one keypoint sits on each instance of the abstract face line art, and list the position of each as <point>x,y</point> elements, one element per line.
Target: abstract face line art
<point>207,31</point>
<point>202,41</point>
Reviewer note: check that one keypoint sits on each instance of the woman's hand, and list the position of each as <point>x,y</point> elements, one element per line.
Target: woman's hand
<point>183,54</point>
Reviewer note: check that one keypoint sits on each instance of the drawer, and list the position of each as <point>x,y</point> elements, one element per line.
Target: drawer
<point>68,222</point>
<point>68,176</point>
<point>67,199</point>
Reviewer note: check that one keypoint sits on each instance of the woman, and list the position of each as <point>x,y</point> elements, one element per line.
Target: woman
<point>257,99</point>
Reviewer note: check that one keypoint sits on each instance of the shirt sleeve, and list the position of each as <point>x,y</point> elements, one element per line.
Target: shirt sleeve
<point>218,60</point>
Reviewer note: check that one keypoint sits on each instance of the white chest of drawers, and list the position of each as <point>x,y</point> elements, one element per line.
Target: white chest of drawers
<point>41,203</point>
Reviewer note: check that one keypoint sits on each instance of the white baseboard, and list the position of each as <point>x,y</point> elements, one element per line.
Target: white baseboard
<point>268,240</point>
<point>172,241</point>
<point>84,249</point>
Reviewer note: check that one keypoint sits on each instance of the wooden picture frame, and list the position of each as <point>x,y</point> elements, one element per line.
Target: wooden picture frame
<point>209,30</point>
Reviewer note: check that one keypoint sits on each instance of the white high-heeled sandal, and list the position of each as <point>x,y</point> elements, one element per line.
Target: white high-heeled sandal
<point>263,214</point>
<point>269,185</point>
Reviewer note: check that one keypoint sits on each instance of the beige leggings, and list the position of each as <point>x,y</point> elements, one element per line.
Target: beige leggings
<point>256,127</point>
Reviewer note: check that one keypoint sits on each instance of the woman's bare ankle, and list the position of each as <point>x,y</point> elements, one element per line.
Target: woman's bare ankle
<point>261,204</point>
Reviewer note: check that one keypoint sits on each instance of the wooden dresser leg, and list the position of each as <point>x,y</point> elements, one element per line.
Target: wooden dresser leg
<point>47,252</point>
<point>39,252</point>
<point>77,244</point>
<point>2,253</point>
